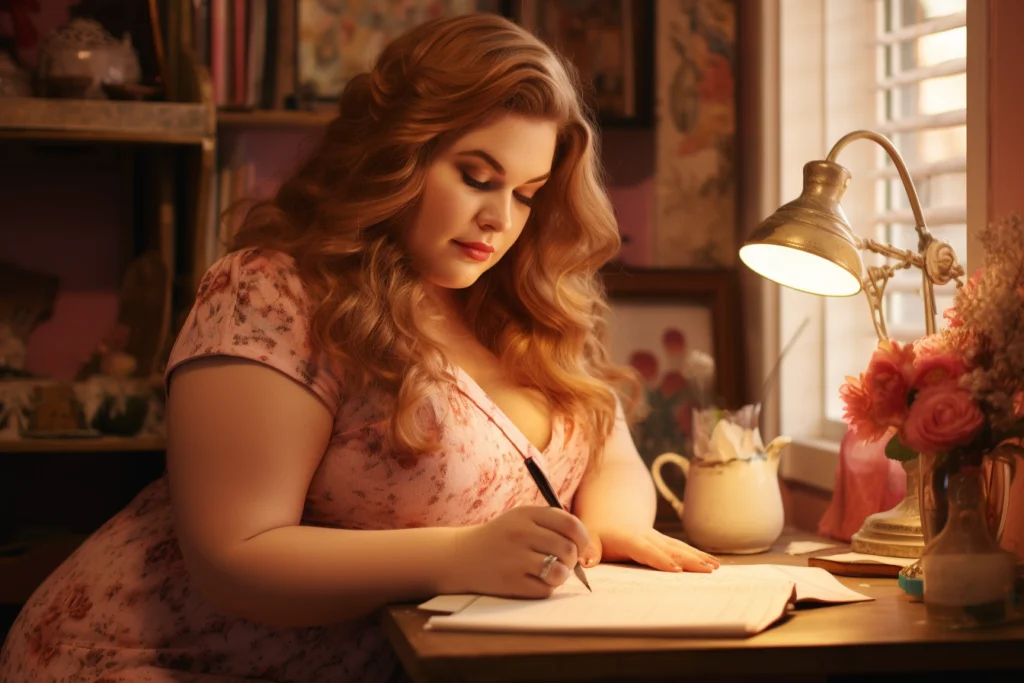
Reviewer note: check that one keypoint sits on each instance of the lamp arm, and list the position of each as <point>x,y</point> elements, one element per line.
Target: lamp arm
<point>935,258</point>
<point>901,168</point>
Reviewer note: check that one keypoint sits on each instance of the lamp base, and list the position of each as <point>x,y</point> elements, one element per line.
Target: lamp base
<point>896,532</point>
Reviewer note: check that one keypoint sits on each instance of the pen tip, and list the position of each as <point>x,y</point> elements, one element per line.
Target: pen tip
<point>582,577</point>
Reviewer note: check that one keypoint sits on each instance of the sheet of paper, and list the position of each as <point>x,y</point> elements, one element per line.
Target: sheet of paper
<point>735,600</point>
<point>862,557</point>
<point>804,547</point>
<point>448,603</point>
<point>728,609</point>
<point>813,584</point>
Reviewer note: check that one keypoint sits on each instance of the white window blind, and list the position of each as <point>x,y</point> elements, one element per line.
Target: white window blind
<point>922,104</point>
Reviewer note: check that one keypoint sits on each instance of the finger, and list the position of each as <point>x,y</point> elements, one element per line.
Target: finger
<point>646,552</point>
<point>592,555</point>
<point>548,542</point>
<point>535,588</point>
<point>556,574</point>
<point>675,546</point>
<point>688,557</point>
<point>567,525</point>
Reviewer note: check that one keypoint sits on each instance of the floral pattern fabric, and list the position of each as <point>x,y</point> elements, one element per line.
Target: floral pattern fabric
<point>122,608</point>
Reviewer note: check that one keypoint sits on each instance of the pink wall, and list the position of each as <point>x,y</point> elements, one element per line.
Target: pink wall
<point>1006,167</point>
<point>64,213</point>
<point>1006,105</point>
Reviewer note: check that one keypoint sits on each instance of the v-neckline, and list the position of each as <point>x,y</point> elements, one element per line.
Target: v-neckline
<point>472,390</point>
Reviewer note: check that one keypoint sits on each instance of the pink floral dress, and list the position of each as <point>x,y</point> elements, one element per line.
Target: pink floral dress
<point>122,607</point>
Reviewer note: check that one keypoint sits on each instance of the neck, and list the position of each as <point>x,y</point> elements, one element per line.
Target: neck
<point>445,314</point>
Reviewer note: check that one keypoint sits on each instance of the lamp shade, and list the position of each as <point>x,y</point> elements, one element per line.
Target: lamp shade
<point>808,244</point>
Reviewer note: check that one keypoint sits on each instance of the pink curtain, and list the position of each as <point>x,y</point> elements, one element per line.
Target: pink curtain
<point>866,482</point>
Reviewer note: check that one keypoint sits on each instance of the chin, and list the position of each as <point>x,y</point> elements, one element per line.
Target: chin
<point>456,278</point>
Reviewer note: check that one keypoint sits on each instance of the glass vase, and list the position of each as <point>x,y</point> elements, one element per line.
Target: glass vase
<point>968,577</point>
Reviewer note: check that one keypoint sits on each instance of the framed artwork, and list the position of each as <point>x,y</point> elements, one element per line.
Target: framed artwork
<point>338,39</point>
<point>695,134</point>
<point>609,42</point>
<point>670,325</point>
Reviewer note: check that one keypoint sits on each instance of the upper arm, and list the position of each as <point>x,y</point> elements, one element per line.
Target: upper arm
<point>620,449</point>
<point>244,441</point>
<point>250,407</point>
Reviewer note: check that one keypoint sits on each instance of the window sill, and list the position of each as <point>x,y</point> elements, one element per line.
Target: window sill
<point>812,462</point>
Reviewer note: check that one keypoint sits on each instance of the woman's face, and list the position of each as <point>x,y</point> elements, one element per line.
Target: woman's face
<point>477,198</point>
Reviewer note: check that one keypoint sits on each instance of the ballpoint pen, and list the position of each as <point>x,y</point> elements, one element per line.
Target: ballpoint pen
<point>552,499</point>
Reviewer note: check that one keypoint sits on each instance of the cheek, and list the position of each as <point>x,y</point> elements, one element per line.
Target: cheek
<point>446,198</point>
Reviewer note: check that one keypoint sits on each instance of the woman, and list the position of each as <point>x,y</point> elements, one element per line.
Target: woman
<point>355,389</point>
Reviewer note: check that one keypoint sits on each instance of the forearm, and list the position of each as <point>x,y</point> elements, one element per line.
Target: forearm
<point>309,576</point>
<point>618,494</point>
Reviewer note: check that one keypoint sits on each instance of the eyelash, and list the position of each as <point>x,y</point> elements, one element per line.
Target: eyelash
<point>477,185</point>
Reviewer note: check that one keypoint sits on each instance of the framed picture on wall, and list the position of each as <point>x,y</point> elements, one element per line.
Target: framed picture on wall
<point>610,42</point>
<point>696,134</point>
<point>338,39</point>
<point>679,331</point>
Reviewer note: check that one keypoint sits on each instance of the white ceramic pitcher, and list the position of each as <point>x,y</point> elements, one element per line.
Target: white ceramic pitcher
<point>732,507</point>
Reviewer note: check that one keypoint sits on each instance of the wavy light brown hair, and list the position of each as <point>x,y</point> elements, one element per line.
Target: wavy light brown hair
<point>540,309</point>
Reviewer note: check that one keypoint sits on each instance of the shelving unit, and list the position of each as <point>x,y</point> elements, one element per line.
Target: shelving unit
<point>37,118</point>
<point>277,118</point>
<point>69,486</point>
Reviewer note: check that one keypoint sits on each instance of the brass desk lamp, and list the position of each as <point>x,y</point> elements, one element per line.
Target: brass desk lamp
<point>808,245</point>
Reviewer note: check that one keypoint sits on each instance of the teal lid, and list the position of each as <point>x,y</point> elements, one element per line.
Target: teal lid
<point>914,587</point>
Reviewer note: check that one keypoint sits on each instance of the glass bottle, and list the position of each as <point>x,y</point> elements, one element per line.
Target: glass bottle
<point>968,577</point>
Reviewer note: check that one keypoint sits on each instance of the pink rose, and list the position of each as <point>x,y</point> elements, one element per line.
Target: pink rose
<point>937,368</point>
<point>942,417</point>
<point>887,380</point>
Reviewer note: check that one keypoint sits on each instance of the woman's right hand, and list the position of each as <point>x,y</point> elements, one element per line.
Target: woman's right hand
<point>505,556</point>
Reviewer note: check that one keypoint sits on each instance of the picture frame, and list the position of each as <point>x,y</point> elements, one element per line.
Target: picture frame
<point>610,42</point>
<point>336,40</point>
<point>665,323</point>
<point>697,133</point>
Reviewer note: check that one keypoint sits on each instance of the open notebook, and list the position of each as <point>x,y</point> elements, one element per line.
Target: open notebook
<point>733,601</point>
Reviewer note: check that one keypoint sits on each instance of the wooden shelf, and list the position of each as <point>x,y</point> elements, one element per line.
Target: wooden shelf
<point>40,118</point>
<point>103,443</point>
<point>273,118</point>
<point>22,574</point>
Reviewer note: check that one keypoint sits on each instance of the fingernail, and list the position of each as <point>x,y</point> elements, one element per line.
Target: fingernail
<point>676,567</point>
<point>589,561</point>
<point>708,565</point>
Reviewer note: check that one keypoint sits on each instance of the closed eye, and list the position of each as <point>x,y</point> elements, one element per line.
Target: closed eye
<point>474,183</point>
<point>484,186</point>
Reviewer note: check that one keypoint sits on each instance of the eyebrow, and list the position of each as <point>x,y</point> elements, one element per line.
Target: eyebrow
<point>493,163</point>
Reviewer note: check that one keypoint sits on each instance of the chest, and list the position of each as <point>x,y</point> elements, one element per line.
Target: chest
<point>525,407</point>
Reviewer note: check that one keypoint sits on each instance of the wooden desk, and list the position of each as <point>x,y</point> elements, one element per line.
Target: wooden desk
<point>889,635</point>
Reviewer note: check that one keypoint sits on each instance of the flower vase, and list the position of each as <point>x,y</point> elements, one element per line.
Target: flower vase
<point>968,577</point>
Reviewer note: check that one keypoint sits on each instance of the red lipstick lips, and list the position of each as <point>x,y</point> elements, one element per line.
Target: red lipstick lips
<point>478,251</point>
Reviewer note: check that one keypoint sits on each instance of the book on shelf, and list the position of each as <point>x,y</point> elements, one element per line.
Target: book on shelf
<point>248,47</point>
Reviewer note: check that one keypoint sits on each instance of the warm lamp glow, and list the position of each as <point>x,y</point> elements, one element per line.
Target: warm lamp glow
<point>800,270</point>
<point>808,244</point>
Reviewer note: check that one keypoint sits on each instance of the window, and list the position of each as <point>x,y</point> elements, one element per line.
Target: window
<point>897,67</point>
<point>921,84</point>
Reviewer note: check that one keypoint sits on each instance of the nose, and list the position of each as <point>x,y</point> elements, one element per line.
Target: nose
<point>496,213</point>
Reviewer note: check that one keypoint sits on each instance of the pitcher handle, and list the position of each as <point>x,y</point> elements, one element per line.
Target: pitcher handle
<point>662,487</point>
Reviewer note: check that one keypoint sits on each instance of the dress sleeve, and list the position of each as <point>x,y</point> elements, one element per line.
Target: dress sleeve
<point>251,304</point>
